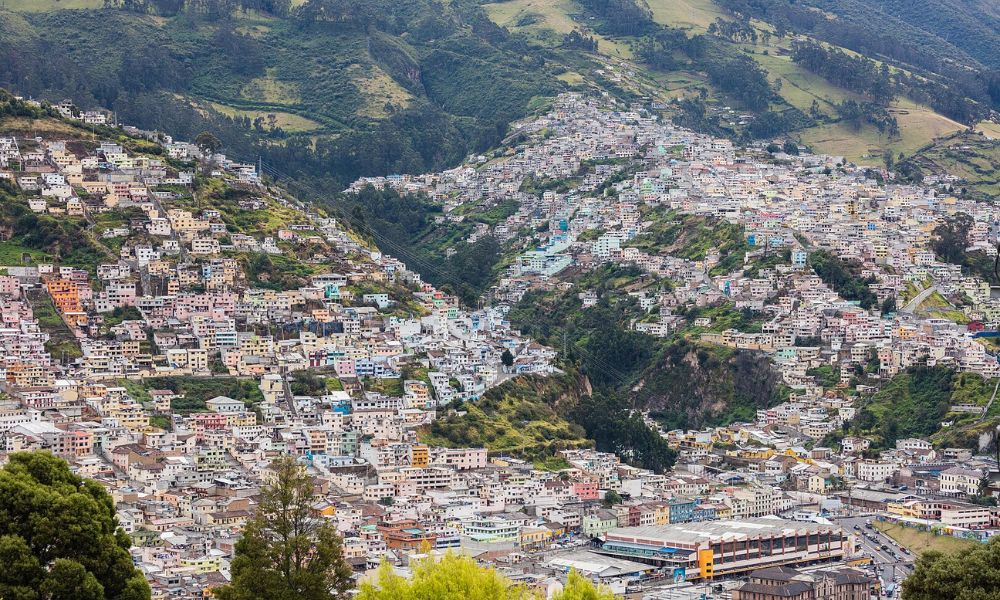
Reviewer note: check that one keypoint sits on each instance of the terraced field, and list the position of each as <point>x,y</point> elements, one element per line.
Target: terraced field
<point>548,20</point>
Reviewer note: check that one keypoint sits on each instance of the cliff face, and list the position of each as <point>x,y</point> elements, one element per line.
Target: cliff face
<point>690,385</point>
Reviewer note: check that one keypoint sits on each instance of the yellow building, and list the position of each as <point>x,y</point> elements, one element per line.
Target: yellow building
<point>420,456</point>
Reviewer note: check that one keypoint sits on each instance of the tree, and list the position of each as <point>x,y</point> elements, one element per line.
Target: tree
<point>286,553</point>
<point>969,574</point>
<point>791,147</point>
<point>453,578</point>
<point>578,588</point>
<point>611,498</point>
<point>208,142</point>
<point>457,577</point>
<point>58,536</point>
<point>507,358</point>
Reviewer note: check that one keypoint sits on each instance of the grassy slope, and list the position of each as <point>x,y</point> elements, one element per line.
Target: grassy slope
<point>547,21</point>
<point>287,121</point>
<point>919,542</point>
<point>695,15</point>
<point>975,158</point>
<point>523,416</point>
<point>62,342</point>
<point>918,126</point>
<point>46,5</point>
<point>328,93</point>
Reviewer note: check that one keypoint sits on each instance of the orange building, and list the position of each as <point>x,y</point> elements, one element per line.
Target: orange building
<point>405,535</point>
<point>64,294</point>
<point>421,456</point>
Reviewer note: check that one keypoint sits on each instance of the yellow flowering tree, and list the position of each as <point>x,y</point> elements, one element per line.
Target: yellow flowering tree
<point>457,577</point>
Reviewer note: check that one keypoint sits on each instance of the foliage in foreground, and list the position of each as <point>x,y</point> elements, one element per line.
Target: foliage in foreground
<point>286,553</point>
<point>457,577</point>
<point>59,538</point>
<point>971,574</point>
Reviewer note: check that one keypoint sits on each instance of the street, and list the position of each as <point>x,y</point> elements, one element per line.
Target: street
<point>891,562</point>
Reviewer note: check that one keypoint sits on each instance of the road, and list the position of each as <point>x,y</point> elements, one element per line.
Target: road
<point>989,404</point>
<point>888,566</point>
<point>912,305</point>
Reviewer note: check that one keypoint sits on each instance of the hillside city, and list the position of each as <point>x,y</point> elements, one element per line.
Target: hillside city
<point>177,368</point>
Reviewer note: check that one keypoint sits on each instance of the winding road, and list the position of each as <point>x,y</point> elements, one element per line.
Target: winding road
<point>912,305</point>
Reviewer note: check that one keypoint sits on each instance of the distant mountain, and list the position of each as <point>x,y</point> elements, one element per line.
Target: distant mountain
<point>343,88</point>
<point>324,91</point>
<point>973,26</point>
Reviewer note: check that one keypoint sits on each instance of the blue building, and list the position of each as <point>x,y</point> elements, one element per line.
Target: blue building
<point>682,510</point>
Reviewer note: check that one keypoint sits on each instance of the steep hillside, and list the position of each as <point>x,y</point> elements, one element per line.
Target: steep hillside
<point>326,91</point>
<point>688,50</point>
<point>689,386</point>
<point>524,417</point>
<point>918,403</point>
<point>342,88</point>
<point>682,382</point>
<point>973,157</point>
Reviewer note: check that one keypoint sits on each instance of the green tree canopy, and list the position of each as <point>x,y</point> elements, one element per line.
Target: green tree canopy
<point>208,142</point>
<point>972,574</point>
<point>457,577</point>
<point>285,552</point>
<point>578,588</point>
<point>59,538</point>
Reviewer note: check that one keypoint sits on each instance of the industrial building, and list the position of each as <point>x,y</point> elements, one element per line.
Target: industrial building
<point>721,548</point>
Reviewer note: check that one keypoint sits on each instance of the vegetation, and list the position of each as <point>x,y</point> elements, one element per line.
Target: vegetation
<point>929,50</point>
<point>64,239</point>
<point>197,390</point>
<point>913,404</point>
<point>286,552</point>
<point>416,85</point>
<point>683,383</point>
<point>62,344</point>
<point>844,278</point>
<point>276,271</point>
<point>621,17</point>
<point>856,73</point>
<point>919,542</point>
<point>457,577</point>
<point>405,226</point>
<point>616,428</point>
<point>59,537</point>
<point>963,575</point>
<point>694,237</point>
<point>691,385</point>
<point>523,417</point>
<point>951,243</point>
<point>973,157</point>
<point>599,338</point>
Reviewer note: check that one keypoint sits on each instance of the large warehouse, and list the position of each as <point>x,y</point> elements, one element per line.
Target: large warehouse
<point>720,548</point>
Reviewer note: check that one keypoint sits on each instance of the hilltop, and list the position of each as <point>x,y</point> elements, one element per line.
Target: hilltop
<point>327,91</point>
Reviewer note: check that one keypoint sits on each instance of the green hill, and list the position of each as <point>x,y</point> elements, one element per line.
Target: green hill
<point>326,90</point>
<point>917,403</point>
<point>342,88</point>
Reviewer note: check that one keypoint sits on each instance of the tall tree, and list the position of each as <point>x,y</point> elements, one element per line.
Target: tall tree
<point>59,538</point>
<point>208,142</point>
<point>286,553</point>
